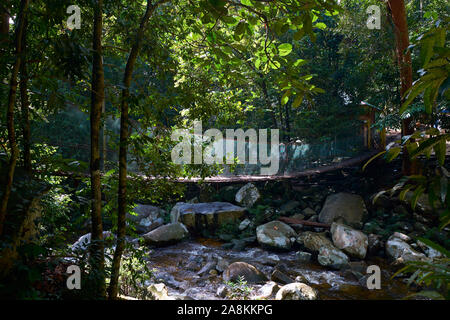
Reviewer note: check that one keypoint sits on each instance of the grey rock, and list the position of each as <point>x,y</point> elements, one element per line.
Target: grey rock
<point>158,291</point>
<point>275,235</point>
<point>244,224</point>
<point>289,206</point>
<point>166,234</point>
<point>146,218</point>
<point>313,241</point>
<point>268,290</point>
<point>400,251</point>
<point>205,216</point>
<point>222,264</point>
<point>349,240</point>
<point>280,277</point>
<point>248,195</point>
<point>308,212</point>
<point>296,291</point>
<point>330,256</point>
<point>246,270</point>
<point>222,291</point>
<point>344,207</point>
<point>303,256</point>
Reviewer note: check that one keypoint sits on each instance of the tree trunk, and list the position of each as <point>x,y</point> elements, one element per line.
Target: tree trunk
<point>10,113</point>
<point>25,105</point>
<point>398,14</point>
<point>97,259</point>
<point>103,157</point>
<point>288,123</point>
<point>113,289</point>
<point>267,100</point>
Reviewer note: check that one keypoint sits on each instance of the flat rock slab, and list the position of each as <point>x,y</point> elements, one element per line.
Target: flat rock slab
<point>207,215</point>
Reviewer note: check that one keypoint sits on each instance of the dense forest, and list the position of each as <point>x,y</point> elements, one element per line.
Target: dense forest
<point>119,122</point>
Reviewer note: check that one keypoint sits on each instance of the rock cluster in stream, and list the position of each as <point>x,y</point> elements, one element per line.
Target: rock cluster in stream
<point>353,235</point>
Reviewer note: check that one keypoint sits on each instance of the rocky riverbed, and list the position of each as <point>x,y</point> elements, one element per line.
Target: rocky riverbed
<point>318,242</point>
<point>189,270</point>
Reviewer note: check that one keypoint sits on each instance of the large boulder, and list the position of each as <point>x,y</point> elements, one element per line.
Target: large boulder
<point>245,270</point>
<point>313,241</point>
<point>166,234</point>
<point>146,218</point>
<point>400,251</point>
<point>247,195</point>
<point>344,207</point>
<point>349,240</point>
<point>276,235</point>
<point>296,291</point>
<point>205,216</point>
<point>332,257</point>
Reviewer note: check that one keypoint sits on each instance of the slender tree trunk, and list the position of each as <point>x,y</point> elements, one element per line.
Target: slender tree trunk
<point>10,113</point>
<point>25,104</point>
<point>102,167</point>
<point>113,289</point>
<point>267,100</point>
<point>398,14</point>
<point>97,258</point>
<point>288,123</point>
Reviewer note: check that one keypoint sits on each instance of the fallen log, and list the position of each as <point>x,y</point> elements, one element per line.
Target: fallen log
<point>303,222</point>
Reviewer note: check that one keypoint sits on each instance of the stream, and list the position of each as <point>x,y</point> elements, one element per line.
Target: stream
<point>177,267</point>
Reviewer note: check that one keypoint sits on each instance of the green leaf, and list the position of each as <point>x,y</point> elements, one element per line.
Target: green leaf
<point>426,50</point>
<point>231,21</point>
<point>373,158</point>
<point>416,195</point>
<point>285,97</point>
<point>284,49</point>
<point>403,193</point>
<point>297,101</point>
<point>428,143</point>
<point>321,25</point>
<point>393,153</point>
<point>299,62</point>
<point>412,93</point>
<point>440,150</point>
<point>375,198</point>
<point>239,31</point>
<point>247,3</point>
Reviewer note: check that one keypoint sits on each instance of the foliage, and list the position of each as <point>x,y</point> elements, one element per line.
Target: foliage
<point>239,290</point>
<point>435,273</point>
<point>134,273</point>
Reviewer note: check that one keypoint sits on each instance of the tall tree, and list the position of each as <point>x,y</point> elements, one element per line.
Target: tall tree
<point>398,14</point>
<point>122,192</point>
<point>97,97</point>
<point>10,111</point>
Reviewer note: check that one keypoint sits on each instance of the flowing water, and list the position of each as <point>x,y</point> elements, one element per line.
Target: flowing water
<point>177,266</point>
